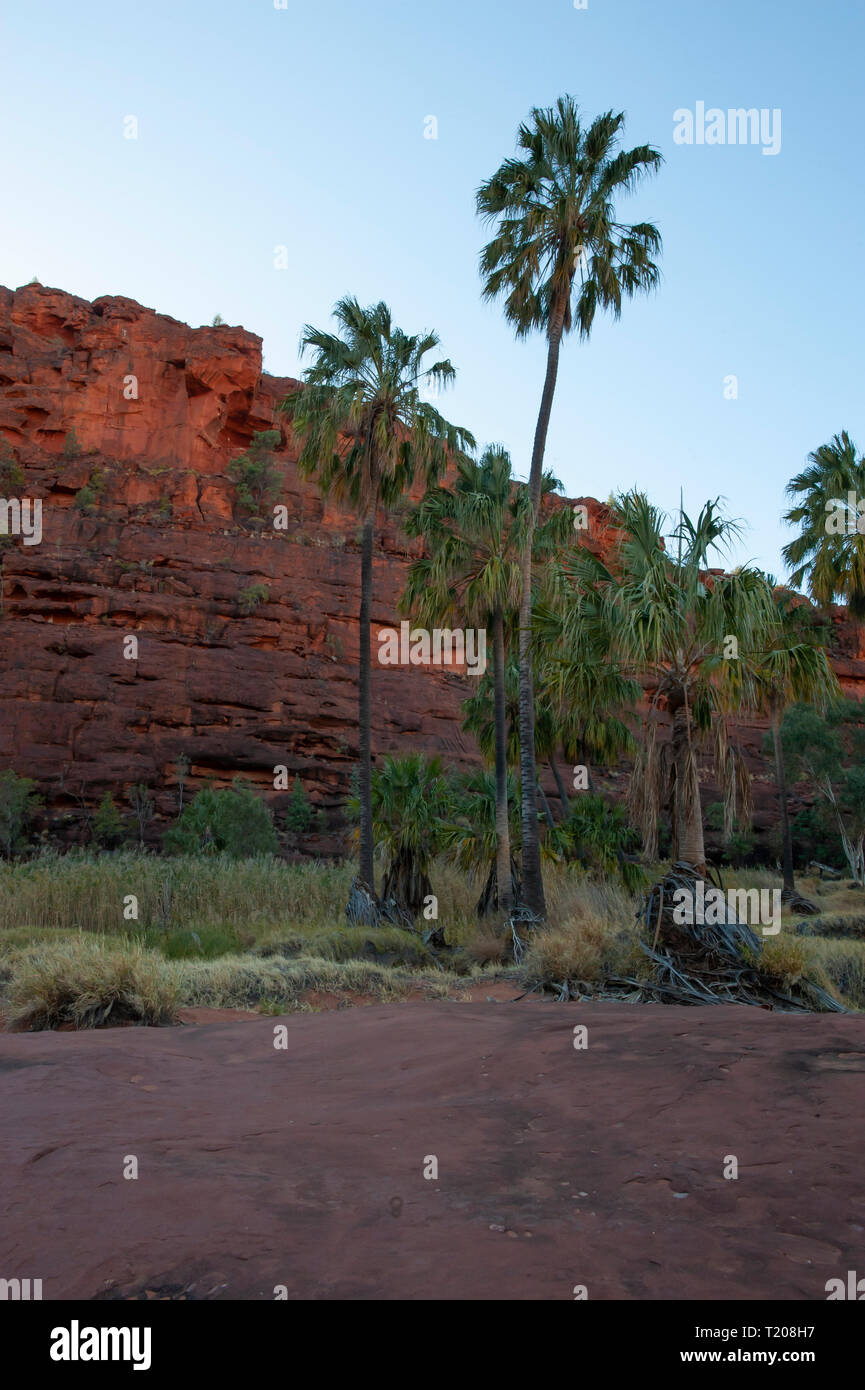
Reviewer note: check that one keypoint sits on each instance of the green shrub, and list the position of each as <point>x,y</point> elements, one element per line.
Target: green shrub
<point>255,476</point>
<point>71,447</point>
<point>107,823</point>
<point>597,836</point>
<point>234,821</point>
<point>12,475</point>
<point>87,497</point>
<point>249,599</point>
<point>18,804</point>
<point>299,813</point>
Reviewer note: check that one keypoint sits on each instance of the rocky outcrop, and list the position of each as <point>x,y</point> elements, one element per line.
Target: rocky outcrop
<point>125,422</point>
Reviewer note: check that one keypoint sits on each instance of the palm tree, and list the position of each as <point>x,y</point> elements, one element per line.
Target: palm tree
<point>830,555</point>
<point>411,804</point>
<point>794,669</point>
<point>471,837</point>
<point>471,575</point>
<point>583,690</point>
<point>674,624</point>
<point>366,432</point>
<point>558,256</point>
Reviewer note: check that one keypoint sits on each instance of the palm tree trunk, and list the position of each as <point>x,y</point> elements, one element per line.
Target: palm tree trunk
<point>690,848</point>
<point>533,885</point>
<point>542,797</point>
<point>781,782</point>
<point>367,871</point>
<point>503,832</point>
<point>563,795</point>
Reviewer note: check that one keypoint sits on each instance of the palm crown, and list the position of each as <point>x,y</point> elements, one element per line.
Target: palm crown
<point>366,428</point>
<point>832,560</point>
<point>557,239</point>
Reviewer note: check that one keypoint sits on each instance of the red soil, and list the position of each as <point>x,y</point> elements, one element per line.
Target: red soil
<point>304,1167</point>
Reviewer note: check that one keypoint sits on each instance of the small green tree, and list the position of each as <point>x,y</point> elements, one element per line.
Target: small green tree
<point>233,820</point>
<point>107,823</point>
<point>18,804</point>
<point>299,813</point>
<point>87,497</point>
<point>12,475</point>
<point>71,447</point>
<point>255,474</point>
<point>828,751</point>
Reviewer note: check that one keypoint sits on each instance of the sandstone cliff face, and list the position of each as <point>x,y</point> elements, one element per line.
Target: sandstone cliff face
<point>149,413</point>
<point>157,411</point>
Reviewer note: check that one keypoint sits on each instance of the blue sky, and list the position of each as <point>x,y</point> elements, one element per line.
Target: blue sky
<point>304,126</point>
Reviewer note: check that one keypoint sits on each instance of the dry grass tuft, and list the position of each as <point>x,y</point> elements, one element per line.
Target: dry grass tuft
<point>595,936</point>
<point>89,984</point>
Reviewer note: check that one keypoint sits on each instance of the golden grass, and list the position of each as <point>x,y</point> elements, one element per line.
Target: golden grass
<point>258,896</point>
<point>264,934</point>
<point>88,983</point>
<point>842,962</point>
<point>593,935</point>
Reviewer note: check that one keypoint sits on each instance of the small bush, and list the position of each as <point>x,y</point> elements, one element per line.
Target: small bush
<point>12,475</point>
<point>843,963</point>
<point>249,599</point>
<point>233,820</point>
<point>107,823</point>
<point>487,947</point>
<point>18,804</point>
<point>254,473</point>
<point>585,947</point>
<point>71,447</point>
<point>87,498</point>
<point>785,962</point>
<point>299,813</point>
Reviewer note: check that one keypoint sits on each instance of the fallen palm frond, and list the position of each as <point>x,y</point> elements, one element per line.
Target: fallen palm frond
<point>722,961</point>
<point>717,962</point>
<point>804,907</point>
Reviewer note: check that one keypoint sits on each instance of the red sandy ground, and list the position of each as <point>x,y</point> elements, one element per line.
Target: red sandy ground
<point>556,1167</point>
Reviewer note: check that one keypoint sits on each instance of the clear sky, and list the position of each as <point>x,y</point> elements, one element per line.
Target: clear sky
<point>303,127</point>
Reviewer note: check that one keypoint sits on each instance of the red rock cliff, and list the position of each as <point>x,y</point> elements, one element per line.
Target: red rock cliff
<point>151,412</point>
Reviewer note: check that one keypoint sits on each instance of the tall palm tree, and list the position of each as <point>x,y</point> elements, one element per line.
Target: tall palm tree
<point>672,623</point>
<point>558,256</point>
<point>826,553</point>
<point>471,576</point>
<point>366,432</point>
<point>795,669</point>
